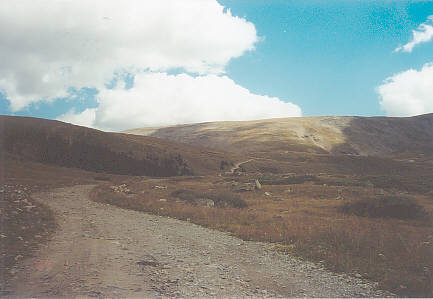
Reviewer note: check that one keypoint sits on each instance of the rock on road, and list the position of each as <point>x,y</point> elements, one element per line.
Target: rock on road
<point>103,251</point>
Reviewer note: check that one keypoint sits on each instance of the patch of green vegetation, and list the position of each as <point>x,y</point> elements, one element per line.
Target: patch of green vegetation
<point>420,183</point>
<point>220,198</point>
<point>385,207</point>
<point>227,199</point>
<point>186,195</point>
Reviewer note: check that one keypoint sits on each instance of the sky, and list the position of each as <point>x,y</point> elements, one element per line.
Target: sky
<point>116,65</point>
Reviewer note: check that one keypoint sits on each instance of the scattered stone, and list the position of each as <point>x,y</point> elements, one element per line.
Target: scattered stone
<point>121,189</point>
<point>159,187</point>
<point>94,294</point>
<point>182,249</point>
<point>246,187</point>
<point>148,263</point>
<point>380,192</point>
<point>114,288</point>
<point>204,202</point>
<point>369,184</point>
<point>258,185</point>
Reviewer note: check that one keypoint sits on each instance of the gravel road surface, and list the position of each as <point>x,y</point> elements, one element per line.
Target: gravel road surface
<point>103,251</point>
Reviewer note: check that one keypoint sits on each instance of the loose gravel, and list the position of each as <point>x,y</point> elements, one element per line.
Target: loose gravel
<point>103,251</point>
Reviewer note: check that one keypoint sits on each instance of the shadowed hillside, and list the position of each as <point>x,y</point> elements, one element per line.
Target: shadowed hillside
<point>330,134</point>
<point>388,135</point>
<point>61,144</point>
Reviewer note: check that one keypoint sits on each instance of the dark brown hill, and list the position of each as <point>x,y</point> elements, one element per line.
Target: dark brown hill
<point>57,143</point>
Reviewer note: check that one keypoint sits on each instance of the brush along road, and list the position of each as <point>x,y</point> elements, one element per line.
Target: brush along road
<point>104,251</point>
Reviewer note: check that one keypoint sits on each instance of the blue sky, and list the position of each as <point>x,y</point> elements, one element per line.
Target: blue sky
<point>329,56</point>
<point>324,57</point>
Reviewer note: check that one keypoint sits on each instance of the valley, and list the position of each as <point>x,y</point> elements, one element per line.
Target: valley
<point>347,194</point>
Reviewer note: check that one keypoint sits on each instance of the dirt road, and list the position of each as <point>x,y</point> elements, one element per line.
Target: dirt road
<point>238,165</point>
<point>103,251</point>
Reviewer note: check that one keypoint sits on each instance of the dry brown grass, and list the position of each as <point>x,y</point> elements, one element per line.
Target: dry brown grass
<point>304,220</point>
<point>65,145</point>
<point>305,187</point>
<point>323,134</point>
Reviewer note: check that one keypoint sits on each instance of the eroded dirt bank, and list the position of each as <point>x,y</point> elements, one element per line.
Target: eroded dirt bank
<point>101,250</point>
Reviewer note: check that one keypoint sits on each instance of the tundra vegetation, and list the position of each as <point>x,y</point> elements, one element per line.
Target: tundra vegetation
<point>342,221</point>
<point>366,215</point>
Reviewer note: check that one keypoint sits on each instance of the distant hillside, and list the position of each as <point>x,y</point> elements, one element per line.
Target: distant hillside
<point>57,143</point>
<point>364,136</point>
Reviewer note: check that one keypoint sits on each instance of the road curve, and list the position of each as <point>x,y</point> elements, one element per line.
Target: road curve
<point>103,251</point>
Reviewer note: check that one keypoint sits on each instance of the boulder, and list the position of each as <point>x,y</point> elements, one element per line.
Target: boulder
<point>204,202</point>
<point>159,187</point>
<point>258,185</point>
<point>245,187</point>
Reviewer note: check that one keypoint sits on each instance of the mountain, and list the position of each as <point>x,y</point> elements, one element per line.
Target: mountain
<point>61,144</point>
<point>364,136</point>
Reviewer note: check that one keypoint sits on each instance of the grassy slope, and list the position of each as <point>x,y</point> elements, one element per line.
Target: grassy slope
<point>62,144</point>
<point>387,157</point>
<point>300,216</point>
<point>334,134</point>
<point>303,218</point>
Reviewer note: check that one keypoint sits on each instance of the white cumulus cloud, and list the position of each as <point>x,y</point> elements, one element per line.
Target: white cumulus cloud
<point>85,118</point>
<point>423,34</point>
<point>161,99</point>
<point>408,93</point>
<point>48,47</point>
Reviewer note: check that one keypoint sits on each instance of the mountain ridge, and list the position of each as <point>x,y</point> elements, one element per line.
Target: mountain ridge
<point>62,144</point>
<point>319,134</point>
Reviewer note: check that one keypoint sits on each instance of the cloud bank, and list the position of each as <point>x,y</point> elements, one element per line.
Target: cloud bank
<point>408,93</point>
<point>423,34</point>
<point>50,49</point>
<point>160,99</point>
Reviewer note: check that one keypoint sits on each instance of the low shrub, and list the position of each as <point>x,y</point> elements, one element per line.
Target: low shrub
<point>397,254</point>
<point>221,199</point>
<point>227,199</point>
<point>101,178</point>
<point>386,206</point>
<point>299,179</point>
<point>187,195</point>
